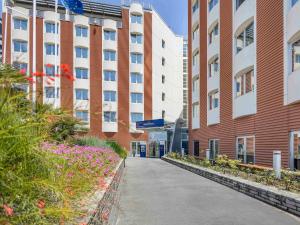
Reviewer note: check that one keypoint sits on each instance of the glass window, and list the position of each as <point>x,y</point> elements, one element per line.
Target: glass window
<point>246,149</point>
<point>195,6</point>
<point>245,38</point>
<point>212,4</point>
<point>83,116</point>
<point>213,100</point>
<point>109,96</point>
<point>136,58</point>
<point>81,52</point>
<point>163,97</point>
<point>294,2</point>
<point>296,56</point>
<point>245,83</point>
<point>50,92</point>
<point>136,18</point>
<point>81,31</point>
<point>136,98</point>
<point>109,35</point>
<point>214,33</point>
<point>195,32</point>
<point>20,24</point>
<point>81,73</point>
<point>196,59</point>
<point>109,75</point>
<point>50,71</point>
<point>214,149</point>
<point>163,43</point>
<point>240,42</point>
<point>136,117</point>
<point>50,27</point>
<point>110,117</point>
<point>196,149</point>
<point>239,3</point>
<point>136,78</point>
<point>136,38</point>
<point>81,94</point>
<point>163,79</point>
<point>20,46</point>
<point>213,68</point>
<point>109,55</point>
<point>163,114</point>
<point>50,49</point>
<point>20,66</point>
<point>195,110</point>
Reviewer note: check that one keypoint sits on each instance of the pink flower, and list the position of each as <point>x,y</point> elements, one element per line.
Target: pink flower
<point>8,211</point>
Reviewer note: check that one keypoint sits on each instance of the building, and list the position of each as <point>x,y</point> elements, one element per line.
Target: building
<point>245,79</point>
<point>126,61</point>
<point>0,40</point>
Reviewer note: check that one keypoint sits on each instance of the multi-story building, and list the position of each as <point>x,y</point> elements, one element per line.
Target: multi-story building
<point>126,61</point>
<point>1,40</point>
<point>245,79</point>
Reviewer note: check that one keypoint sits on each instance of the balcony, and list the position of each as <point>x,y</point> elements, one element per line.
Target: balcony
<point>82,41</point>
<point>244,59</point>
<point>196,16</point>
<point>213,82</point>
<point>136,68</point>
<point>136,8</point>
<point>243,14</point>
<point>109,127</point>
<point>136,88</point>
<point>81,104</point>
<point>110,65</point>
<point>137,107</point>
<point>293,87</point>
<point>109,24</point>
<point>244,105</point>
<point>109,106</point>
<point>213,116</point>
<point>213,48</point>
<point>213,15</point>
<point>110,85</point>
<point>195,96</point>
<point>196,42</point>
<point>195,123</point>
<point>195,70</point>
<point>132,129</point>
<point>82,62</point>
<point>138,48</point>
<point>136,28</point>
<point>293,23</point>
<point>82,83</point>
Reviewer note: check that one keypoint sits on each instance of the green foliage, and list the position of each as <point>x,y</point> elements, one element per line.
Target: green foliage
<point>117,148</point>
<point>90,141</point>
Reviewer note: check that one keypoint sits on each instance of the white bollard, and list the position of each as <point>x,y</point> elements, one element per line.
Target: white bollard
<point>277,163</point>
<point>207,154</point>
<point>182,152</point>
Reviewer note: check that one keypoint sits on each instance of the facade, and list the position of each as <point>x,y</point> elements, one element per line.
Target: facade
<point>126,62</point>
<point>1,40</point>
<point>244,79</point>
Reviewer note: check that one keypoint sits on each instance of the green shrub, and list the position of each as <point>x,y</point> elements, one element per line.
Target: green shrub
<point>117,148</point>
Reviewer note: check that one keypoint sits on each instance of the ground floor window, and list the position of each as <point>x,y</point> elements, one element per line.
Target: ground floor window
<point>246,149</point>
<point>213,148</point>
<point>135,148</point>
<point>196,148</point>
<point>295,151</point>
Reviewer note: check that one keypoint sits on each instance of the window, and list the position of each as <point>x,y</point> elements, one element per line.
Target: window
<point>81,52</point>
<point>195,112</point>
<point>81,31</point>
<point>163,79</point>
<point>195,86</point>
<point>213,100</point>
<point>213,34</point>
<point>213,68</point>
<point>110,117</point>
<point>244,83</point>
<point>50,49</point>
<point>136,18</point>
<point>136,58</point>
<point>109,75</point>
<point>195,32</point>
<point>196,59</point>
<point>136,78</point>
<point>212,4</point>
<point>213,149</point>
<point>246,149</point>
<point>195,6</point>
<point>163,114</point>
<point>20,66</point>
<point>109,35</point>
<point>136,38</point>
<point>239,3</point>
<point>20,46</point>
<point>109,96</point>
<point>245,38</point>
<point>163,43</point>
<point>50,71</point>
<point>109,55</point>
<point>136,98</point>
<point>83,116</point>
<point>196,149</point>
<point>296,56</point>
<point>81,73</point>
<point>20,24</point>
<point>50,28</point>
<point>163,61</point>
<point>81,94</point>
<point>294,2</point>
<point>50,92</point>
<point>136,117</point>
<point>163,96</point>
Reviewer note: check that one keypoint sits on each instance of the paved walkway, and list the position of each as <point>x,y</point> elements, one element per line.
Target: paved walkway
<point>154,192</point>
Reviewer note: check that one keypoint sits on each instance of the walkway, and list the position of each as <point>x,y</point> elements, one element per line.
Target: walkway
<point>154,192</point>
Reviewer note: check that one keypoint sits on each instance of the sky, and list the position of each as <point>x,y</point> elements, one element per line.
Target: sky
<point>174,12</point>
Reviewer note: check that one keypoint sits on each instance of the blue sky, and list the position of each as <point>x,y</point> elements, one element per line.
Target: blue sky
<point>174,12</point>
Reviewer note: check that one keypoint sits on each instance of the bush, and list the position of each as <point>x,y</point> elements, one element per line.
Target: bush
<point>117,148</point>
<point>90,141</point>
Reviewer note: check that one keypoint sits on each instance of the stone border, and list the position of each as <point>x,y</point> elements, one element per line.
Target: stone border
<point>283,200</point>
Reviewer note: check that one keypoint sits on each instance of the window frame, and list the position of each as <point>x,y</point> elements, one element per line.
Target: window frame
<point>109,96</point>
<point>136,98</point>
<point>111,115</point>
<point>82,96</point>
<point>213,152</point>
<point>245,155</point>
<point>80,117</point>
<point>79,31</point>
<point>81,76</point>
<point>20,24</point>
<point>109,35</point>
<point>109,73</point>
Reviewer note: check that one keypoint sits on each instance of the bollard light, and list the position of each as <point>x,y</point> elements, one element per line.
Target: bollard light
<point>207,154</point>
<point>277,163</point>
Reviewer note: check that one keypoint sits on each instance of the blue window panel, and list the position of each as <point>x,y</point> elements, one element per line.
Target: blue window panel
<point>109,96</point>
<point>81,52</point>
<point>50,71</point>
<point>82,115</point>
<point>109,75</point>
<point>81,31</point>
<point>109,55</point>
<point>50,49</point>
<point>136,58</point>
<point>136,98</point>
<point>196,6</point>
<point>109,35</point>
<point>238,87</point>
<point>294,2</point>
<point>81,73</point>
<point>212,4</point>
<point>20,24</point>
<point>216,103</point>
<point>20,46</point>
<point>136,117</point>
<point>20,66</point>
<point>81,94</point>
<point>136,38</point>
<point>136,78</point>
<point>50,92</point>
<point>110,117</point>
<point>136,19</point>
<point>50,28</point>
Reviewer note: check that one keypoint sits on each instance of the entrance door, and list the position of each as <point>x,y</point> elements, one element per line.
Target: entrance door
<point>135,149</point>
<point>161,149</point>
<point>214,148</point>
<point>294,150</point>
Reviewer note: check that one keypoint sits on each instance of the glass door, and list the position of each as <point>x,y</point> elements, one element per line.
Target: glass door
<point>135,149</point>
<point>214,148</point>
<point>295,151</point>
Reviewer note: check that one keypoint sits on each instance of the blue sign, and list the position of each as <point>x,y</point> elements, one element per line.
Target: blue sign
<point>150,124</point>
<point>75,6</point>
